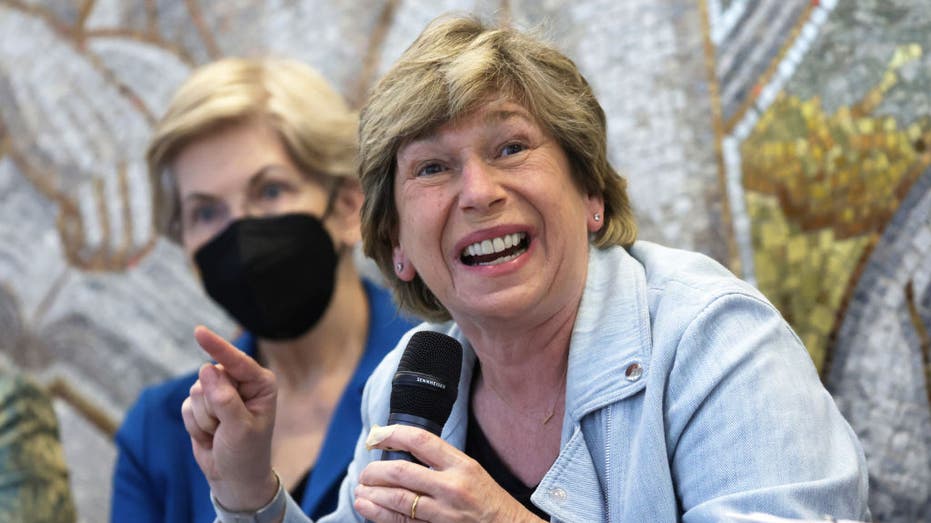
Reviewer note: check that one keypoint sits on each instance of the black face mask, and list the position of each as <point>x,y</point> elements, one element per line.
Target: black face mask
<point>274,275</point>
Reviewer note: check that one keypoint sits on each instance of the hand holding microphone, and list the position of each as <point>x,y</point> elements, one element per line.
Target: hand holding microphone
<point>420,476</point>
<point>424,389</point>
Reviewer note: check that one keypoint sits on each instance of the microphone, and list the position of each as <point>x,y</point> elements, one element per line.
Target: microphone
<point>425,385</point>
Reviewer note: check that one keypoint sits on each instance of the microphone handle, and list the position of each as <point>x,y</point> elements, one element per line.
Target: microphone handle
<point>399,418</point>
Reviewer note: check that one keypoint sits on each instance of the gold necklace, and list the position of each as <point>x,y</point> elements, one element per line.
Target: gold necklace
<point>548,415</point>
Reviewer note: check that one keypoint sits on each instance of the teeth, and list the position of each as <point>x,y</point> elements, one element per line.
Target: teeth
<point>492,246</point>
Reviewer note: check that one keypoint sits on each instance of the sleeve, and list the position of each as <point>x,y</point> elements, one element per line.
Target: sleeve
<point>750,426</point>
<point>134,495</point>
<point>33,474</point>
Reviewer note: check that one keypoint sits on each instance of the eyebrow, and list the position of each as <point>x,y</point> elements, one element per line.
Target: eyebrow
<point>505,114</point>
<point>259,176</point>
<point>496,116</point>
<point>254,180</point>
<point>198,196</point>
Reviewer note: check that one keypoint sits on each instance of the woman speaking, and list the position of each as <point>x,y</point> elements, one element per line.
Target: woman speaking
<point>603,378</point>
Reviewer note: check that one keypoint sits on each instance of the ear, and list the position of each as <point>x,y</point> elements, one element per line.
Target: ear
<point>596,212</point>
<point>346,216</point>
<point>403,268</point>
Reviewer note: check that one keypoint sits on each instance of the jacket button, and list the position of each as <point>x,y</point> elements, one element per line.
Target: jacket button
<point>633,372</point>
<point>558,494</point>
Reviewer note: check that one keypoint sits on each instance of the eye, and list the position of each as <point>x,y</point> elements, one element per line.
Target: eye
<point>430,169</point>
<point>205,213</point>
<point>512,149</point>
<point>271,191</point>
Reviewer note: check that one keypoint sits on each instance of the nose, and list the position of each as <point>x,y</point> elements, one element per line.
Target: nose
<point>237,211</point>
<point>245,208</point>
<point>480,188</point>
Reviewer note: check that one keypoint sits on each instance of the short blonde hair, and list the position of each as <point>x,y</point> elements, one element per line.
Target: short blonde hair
<point>312,120</point>
<point>450,70</point>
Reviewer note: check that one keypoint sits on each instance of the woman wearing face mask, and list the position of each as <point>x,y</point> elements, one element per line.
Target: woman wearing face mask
<point>254,170</point>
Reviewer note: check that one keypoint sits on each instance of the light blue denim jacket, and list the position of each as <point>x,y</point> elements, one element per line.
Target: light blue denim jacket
<point>688,398</point>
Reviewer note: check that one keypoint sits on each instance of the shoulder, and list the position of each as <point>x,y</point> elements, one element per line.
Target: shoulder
<point>701,317</point>
<point>687,272</point>
<point>169,393</point>
<point>152,443</point>
<point>384,313</point>
<point>157,410</point>
<point>686,283</point>
<point>686,297</point>
<point>386,319</point>
<point>386,327</point>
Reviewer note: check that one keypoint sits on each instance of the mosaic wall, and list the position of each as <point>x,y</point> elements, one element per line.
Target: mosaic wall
<point>825,117</point>
<point>789,139</point>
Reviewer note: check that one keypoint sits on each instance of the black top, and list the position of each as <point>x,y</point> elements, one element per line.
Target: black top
<point>478,447</point>
<point>297,493</point>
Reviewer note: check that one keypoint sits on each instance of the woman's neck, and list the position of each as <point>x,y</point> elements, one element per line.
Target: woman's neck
<point>509,355</point>
<point>519,393</point>
<point>335,343</point>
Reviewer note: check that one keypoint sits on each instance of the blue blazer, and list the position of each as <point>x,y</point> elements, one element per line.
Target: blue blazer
<point>156,478</point>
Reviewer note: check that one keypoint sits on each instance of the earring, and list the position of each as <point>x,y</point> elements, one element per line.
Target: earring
<point>597,217</point>
<point>399,266</point>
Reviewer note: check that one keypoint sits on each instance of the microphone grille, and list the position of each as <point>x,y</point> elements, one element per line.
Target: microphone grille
<point>437,358</point>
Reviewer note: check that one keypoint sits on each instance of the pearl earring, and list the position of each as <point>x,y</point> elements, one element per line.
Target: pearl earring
<point>597,217</point>
<point>399,266</point>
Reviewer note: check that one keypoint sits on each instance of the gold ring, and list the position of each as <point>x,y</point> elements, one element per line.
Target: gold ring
<point>414,506</point>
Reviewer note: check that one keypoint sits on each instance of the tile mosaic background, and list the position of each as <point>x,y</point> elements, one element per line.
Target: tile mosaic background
<point>789,139</point>
<point>826,160</point>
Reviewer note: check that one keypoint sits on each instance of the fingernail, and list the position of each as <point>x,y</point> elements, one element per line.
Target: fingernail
<point>377,435</point>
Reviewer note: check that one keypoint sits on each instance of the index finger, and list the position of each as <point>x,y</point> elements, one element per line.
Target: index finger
<point>427,447</point>
<point>236,363</point>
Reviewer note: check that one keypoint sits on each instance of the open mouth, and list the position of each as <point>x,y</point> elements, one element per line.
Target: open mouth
<point>495,250</point>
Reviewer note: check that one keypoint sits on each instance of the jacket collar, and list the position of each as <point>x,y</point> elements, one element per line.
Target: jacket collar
<point>611,333</point>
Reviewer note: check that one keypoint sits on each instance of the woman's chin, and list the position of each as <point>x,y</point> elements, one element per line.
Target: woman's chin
<point>512,303</point>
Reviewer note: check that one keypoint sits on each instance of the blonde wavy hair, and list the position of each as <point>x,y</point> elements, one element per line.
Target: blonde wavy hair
<point>453,67</point>
<point>312,120</point>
